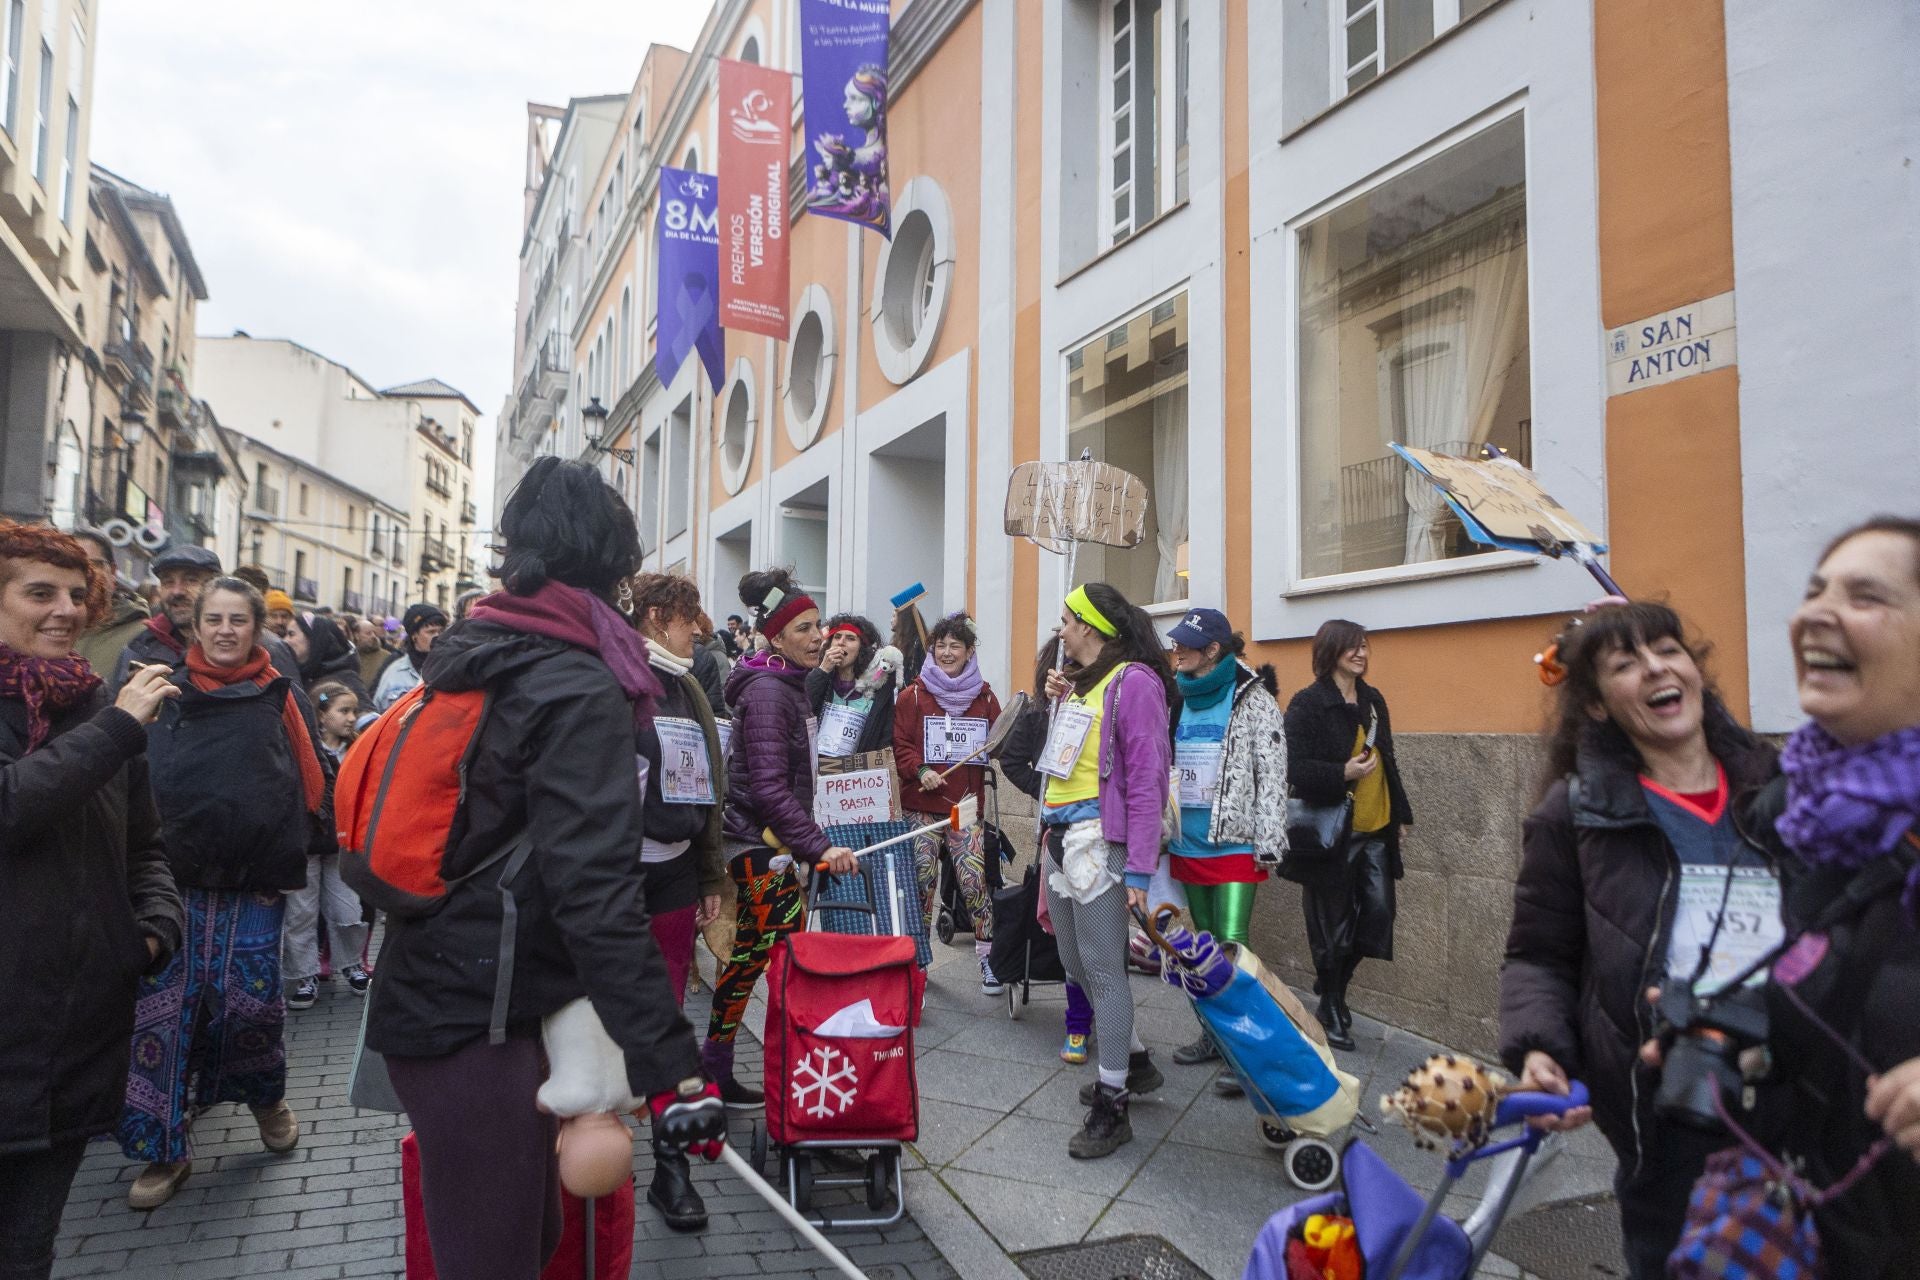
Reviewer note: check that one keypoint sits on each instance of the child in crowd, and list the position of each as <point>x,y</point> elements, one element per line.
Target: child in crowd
<point>325,893</point>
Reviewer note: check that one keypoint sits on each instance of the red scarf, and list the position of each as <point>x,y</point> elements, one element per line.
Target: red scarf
<point>162,626</point>
<point>206,677</point>
<point>45,684</point>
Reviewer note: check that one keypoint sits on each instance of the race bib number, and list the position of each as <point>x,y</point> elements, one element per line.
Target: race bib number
<point>686,776</point>
<point>725,728</point>
<point>1071,724</point>
<point>1750,928</point>
<point>840,727</point>
<point>1198,767</point>
<point>953,739</point>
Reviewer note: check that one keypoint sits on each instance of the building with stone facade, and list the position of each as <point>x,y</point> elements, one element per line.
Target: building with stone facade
<point>321,540</point>
<point>411,448</point>
<point>1238,247</point>
<point>46,96</point>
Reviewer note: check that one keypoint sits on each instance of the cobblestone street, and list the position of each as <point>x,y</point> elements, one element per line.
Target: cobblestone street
<point>331,1207</point>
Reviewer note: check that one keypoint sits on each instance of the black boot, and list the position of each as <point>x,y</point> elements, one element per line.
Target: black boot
<point>1332,1013</point>
<point>672,1192</point>
<point>1142,1077</point>
<point>1107,1128</point>
<point>1340,996</point>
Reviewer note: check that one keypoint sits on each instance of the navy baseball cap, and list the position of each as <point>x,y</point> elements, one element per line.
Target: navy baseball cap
<point>1202,627</point>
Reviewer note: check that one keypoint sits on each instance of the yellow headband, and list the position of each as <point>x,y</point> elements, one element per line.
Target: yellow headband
<point>1083,608</point>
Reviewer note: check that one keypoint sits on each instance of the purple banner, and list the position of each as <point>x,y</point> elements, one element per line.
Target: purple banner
<point>687,298</point>
<point>843,75</point>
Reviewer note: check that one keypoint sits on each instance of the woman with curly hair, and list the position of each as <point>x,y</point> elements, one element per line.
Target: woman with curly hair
<point>852,691</point>
<point>87,903</point>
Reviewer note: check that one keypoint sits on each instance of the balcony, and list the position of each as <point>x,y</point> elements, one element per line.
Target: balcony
<point>550,373</point>
<point>379,547</point>
<point>175,407</point>
<point>436,485</point>
<point>306,589</point>
<point>263,502</point>
<point>436,556</point>
<point>350,601</point>
<point>129,358</point>
<point>468,512</point>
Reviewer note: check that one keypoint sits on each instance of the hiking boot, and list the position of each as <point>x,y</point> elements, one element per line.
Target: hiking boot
<point>1201,1050</point>
<point>279,1127</point>
<point>1074,1050</point>
<point>304,993</point>
<point>157,1183</point>
<point>1107,1128</point>
<point>358,979</point>
<point>989,985</point>
<point>672,1192</point>
<point>1142,1077</point>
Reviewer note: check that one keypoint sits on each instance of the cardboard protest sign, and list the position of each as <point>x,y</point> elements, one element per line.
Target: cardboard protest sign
<point>1501,503</point>
<point>857,788</point>
<point>1057,503</point>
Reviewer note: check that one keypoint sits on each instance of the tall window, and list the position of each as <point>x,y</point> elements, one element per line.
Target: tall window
<point>1143,98</point>
<point>67,165</point>
<point>16,32</point>
<point>1412,328</point>
<point>1127,402</point>
<point>625,336</point>
<point>43,115</point>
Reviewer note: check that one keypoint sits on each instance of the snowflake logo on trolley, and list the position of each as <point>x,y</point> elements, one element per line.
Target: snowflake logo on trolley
<point>821,1087</point>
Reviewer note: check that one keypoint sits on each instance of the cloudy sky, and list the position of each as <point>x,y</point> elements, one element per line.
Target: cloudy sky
<point>350,172</point>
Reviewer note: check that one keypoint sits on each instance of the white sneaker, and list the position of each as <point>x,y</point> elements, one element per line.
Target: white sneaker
<point>989,985</point>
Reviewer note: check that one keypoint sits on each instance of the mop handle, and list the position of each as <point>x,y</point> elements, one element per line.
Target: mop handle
<point>899,839</point>
<point>841,1262</point>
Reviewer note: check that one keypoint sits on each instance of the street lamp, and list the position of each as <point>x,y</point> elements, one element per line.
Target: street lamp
<point>596,414</point>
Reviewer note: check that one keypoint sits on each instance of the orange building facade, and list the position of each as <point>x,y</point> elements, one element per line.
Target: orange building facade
<point>1236,247</point>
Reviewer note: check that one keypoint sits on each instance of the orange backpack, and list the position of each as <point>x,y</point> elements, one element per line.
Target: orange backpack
<point>399,802</point>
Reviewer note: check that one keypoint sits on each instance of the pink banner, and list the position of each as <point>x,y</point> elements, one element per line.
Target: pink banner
<point>756,109</point>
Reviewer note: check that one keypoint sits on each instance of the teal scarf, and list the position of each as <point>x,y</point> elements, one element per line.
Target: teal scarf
<point>1202,692</point>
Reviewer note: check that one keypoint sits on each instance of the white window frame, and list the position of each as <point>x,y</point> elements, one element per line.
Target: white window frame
<point>1446,16</point>
<point>1166,38</point>
<point>16,33</point>
<point>1296,584</point>
<point>42,116</point>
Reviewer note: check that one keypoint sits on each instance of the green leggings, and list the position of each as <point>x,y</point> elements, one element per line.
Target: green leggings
<point>1223,910</point>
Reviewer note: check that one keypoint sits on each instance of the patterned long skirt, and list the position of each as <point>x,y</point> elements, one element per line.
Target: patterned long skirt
<point>208,1028</point>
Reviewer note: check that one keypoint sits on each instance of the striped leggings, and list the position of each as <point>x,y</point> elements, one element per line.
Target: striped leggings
<point>1093,948</point>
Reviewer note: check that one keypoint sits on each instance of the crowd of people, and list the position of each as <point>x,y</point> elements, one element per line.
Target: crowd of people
<point>170,862</point>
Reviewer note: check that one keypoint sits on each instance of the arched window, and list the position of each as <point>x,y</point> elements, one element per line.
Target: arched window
<point>624,338</point>
<point>750,51</point>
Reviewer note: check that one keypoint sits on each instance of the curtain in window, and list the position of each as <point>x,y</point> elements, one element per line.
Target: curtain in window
<point>1169,488</point>
<point>1449,372</point>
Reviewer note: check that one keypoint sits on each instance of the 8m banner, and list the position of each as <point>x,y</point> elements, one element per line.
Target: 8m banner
<point>686,300</point>
<point>758,104</point>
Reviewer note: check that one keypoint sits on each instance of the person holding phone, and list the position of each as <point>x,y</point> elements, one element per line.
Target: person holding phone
<point>1340,741</point>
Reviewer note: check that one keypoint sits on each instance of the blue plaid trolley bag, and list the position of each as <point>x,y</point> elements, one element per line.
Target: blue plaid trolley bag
<point>887,879</point>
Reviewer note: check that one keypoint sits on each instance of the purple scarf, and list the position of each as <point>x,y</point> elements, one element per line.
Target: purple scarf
<point>585,621</point>
<point>44,684</point>
<point>954,693</point>
<point>1846,805</point>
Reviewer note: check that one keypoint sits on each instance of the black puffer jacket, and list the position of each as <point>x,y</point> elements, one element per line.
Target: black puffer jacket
<point>1866,987</point>
<point>83,884</point>
<point>1320,727</point>
<point>1593,908</point>
<point>555,758</point>
<point>233,811</point>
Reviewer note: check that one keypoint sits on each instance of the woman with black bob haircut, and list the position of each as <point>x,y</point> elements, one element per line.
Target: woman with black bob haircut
<point>769,834</point>
<point>854,687</point>
<point>551,784</point>
<point>1340,741</point>
<point>1106,758</point>
<point>1624,861</point>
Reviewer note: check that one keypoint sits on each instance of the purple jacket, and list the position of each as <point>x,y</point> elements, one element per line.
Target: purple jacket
<point>1136,757</point>
<point>770,769</point>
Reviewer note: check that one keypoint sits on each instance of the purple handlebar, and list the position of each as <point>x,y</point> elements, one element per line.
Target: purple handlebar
<point>1516,1107</point>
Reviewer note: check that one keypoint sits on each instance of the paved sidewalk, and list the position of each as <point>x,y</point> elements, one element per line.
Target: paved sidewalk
<point>330,1208</point>
<point>998,1106</point>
